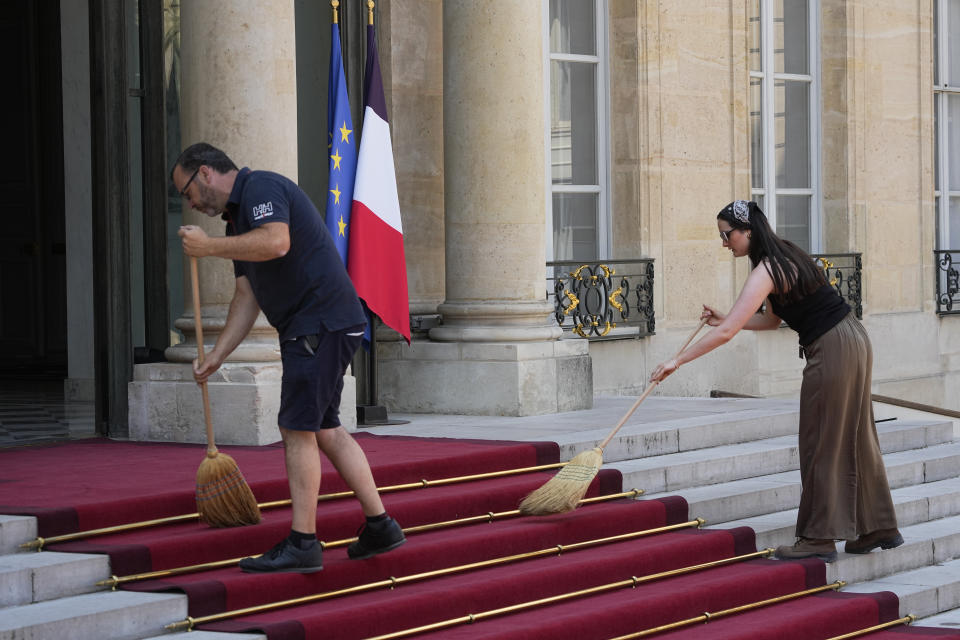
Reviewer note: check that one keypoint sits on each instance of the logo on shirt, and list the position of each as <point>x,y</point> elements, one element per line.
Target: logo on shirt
<point>263,210</point>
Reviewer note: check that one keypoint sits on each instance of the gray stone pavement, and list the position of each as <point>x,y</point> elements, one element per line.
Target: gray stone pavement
<point>655,413</point>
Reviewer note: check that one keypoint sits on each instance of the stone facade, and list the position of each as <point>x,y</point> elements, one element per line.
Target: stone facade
<point>679,142</point>
<point>464,86</point>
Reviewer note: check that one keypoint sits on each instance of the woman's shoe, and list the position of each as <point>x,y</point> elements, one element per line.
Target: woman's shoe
<point>826,550</point>
<point>883,538</point>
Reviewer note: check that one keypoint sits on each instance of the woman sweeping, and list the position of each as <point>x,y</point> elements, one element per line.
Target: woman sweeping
<point>845,492</point>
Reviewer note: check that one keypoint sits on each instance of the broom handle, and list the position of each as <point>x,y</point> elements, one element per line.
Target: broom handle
<point>646,392</point>
<point>198,328</point>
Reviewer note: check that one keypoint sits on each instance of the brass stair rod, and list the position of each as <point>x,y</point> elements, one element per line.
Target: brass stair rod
<point>612,586</point>
<point>707,617</point>
<point>886,625</point>
<point>113,581</point>
<point>39,542</point>
<point>487,517</point>
<point>189,623</point>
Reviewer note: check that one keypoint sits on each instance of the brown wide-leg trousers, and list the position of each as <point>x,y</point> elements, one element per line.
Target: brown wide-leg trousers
<point>845,490</point>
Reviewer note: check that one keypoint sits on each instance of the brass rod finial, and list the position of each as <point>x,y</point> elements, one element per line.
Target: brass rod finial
<point>370,12</point>
<point>33,544</point>
<point>183,624</point>
<point>334,4</point>
<point>111,582</point>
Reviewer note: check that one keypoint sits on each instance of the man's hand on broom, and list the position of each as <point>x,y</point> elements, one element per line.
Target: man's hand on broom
<point>202,371</point>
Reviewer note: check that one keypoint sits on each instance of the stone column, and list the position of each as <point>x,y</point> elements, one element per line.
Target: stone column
<point>239,94</point>
<point>494,173</point>
<point>238,62</point>
<point>497,333</point>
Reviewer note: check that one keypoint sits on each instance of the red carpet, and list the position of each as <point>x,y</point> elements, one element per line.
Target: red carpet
<point>92,484</point>
<point>89,484</point>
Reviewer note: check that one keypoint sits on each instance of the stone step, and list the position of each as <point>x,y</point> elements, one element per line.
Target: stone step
<point>14,531</point>
<point>114,615</point>
<point>725,463</point>
<point>739,499</point>
<point>914,504</point>
<point>946,620</point>
<point>653,433</point>
<point>924,544</point>
<point>47,575</point>
<point>923,592</point>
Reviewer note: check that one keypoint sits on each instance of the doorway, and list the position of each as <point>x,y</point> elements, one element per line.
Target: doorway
<point>32,246</point>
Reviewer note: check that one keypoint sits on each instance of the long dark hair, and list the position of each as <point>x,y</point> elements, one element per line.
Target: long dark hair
<point>794,272</point>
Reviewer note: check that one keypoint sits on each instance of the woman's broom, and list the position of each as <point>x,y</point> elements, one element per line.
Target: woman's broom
<point>223,497</point>
<point>564,491</point>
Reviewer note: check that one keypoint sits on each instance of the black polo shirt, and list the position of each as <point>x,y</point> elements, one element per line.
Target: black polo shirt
<point>308,288</point>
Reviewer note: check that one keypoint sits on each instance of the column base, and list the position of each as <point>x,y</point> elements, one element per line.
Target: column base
<point>166,405</point>
<point>498,378</point>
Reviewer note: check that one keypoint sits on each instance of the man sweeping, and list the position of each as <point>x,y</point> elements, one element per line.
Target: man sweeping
<point>286,264</point>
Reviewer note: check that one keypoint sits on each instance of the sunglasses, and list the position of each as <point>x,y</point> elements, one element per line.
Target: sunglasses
<point>183,192</point>
<point>725,235</point>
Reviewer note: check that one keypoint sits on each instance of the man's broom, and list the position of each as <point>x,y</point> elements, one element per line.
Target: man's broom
<point>223,497</point>
<point>564,491</point>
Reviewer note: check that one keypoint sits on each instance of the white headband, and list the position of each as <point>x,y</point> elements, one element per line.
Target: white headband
<point>741,211</point>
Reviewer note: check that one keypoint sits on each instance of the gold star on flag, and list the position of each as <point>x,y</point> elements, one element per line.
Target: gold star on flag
<point>345,133</point>
<point>336,157</point>
<point>342,225</point>
<point>336,194</point>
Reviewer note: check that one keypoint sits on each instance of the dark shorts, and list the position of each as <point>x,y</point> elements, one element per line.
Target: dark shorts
<point>313,368</point>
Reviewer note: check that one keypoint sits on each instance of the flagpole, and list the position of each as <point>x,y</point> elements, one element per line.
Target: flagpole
<point>370,12</point>
<point>334,4</point>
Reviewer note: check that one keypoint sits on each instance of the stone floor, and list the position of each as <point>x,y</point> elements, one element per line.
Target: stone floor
<point>34,411</point>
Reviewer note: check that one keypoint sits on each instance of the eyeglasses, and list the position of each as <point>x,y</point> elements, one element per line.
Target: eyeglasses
<point>183,192</point>
<point>725,235</point>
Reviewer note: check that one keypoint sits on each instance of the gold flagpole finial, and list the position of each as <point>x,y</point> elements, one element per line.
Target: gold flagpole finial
<point>370,12</point>
<point>334,4</point>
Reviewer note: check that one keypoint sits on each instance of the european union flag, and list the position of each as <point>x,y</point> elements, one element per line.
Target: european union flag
<point>341,145</point>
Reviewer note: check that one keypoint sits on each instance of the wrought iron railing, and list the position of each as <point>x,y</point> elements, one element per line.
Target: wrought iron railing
<point>948,281</point>
<point>845,273</point>
<point>603,299</point>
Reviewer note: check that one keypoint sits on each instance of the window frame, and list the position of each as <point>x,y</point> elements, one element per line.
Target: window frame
<point>768,78</point>
<point>602,187</point>
<point>941,91</point>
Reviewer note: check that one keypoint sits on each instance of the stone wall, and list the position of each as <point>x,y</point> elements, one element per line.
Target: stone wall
<point>679,136</point>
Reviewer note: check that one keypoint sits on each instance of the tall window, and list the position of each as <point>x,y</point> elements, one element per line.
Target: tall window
<point>784,116</point>
<point>577,219</point>
<point>946,110</point>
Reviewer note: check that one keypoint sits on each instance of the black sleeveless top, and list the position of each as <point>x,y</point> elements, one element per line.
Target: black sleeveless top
<point>814,314</point>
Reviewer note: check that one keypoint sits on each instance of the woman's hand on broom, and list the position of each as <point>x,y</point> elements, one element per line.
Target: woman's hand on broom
<point>712,316</point>
<point>664,369</point>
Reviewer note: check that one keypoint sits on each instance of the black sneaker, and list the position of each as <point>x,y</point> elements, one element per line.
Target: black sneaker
<point>286,558</point>
<point>376,538</point>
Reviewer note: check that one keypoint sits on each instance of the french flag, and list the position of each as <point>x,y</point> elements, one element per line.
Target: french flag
<point>375,258</point>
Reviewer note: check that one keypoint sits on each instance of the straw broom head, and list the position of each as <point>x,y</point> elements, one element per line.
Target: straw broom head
<point>223,497</point>
<point>565,490</point>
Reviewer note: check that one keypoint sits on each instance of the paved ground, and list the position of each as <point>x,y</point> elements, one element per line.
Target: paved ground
<point>35,411</point>
<point>653,414</point>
